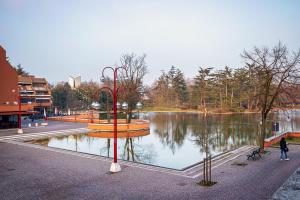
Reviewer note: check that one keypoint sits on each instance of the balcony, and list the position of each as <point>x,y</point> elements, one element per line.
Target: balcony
<point>40,88</point>
<point>27,95</point>
<point>43,95</point>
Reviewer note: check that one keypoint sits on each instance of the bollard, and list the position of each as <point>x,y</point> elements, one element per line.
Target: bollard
<point>36,124</point>
<point>29,125</point>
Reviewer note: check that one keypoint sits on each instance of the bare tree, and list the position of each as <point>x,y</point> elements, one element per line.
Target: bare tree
<point>136,69</point>
<point>277,72</point>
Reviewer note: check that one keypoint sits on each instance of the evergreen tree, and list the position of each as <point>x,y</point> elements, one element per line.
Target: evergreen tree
<point>170,89</point>
<point>160,90</point>
<point>60,95</point>
<point>201,87</point>
<point>180,87</point>
<point>20,70</point>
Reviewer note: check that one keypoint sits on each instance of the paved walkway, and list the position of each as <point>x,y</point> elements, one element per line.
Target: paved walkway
<point>194,171</point>
<point>52,125</point>
<point>29,173</point>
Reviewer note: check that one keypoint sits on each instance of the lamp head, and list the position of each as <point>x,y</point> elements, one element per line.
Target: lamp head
<point>125,105</point>
<point>96,105</point>
<point>102,78</point>
<point>139,105</point>
<point>118,105</point>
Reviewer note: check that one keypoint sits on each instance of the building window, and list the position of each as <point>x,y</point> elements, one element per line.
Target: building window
<point>38,85</point>
<point>41,92</point>
<point>42,100</point>
<point>27,100</point>
<point>13,118</point>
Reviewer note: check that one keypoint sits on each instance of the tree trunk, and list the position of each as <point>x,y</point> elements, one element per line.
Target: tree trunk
<point>226,93</point>
<point>108,146</point>
<point>263,129</point>
<point>231,98</point>
<point>254,101</point>
<point>132,151</point>
<point>248,102</point>
<point>221,103</point>
<point>204,105</point>
<point>128,116</point>
<point>107,110</point>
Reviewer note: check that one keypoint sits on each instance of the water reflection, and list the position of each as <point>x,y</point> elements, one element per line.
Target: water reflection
<point>204,135</point>
<point>178,140</point>
<point>210,132</point>
<point>171,129</point>
<point>138,153</point>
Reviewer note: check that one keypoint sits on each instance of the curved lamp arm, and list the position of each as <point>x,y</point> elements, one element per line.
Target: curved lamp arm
<point>120,88</point>
<point>107,88</point>
<point>107,68</point>
<point>123,68</point>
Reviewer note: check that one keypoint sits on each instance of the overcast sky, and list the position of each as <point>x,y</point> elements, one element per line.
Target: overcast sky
<point>58,38</point>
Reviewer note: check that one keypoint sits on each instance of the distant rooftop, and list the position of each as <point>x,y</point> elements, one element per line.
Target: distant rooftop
<point>30,79</point>
<point>25,79</point>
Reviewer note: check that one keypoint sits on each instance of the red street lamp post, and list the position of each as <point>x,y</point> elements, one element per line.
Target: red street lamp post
<point>115,167</point>
<point>20,130</point>
<point>92,116</point>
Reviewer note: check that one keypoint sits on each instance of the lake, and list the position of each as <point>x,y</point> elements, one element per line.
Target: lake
<point>178,140</point>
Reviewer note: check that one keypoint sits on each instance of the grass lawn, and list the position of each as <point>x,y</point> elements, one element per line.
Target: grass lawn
<point>209,110</point>
<point>289,141</point>
<point>293,140</point>
<point>166,109</point>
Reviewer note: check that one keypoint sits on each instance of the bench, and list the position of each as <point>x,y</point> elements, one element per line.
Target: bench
<point>254,153</point>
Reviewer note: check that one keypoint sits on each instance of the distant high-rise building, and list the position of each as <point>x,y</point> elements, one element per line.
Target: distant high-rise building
<point>74,82</point>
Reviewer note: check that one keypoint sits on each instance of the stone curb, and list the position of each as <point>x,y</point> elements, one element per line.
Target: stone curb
<point>290,189</point>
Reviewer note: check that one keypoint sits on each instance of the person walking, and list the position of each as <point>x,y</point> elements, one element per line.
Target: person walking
<point>283,149</point>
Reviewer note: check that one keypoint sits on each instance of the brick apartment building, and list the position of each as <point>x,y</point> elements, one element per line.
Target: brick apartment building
<point>34,94</point>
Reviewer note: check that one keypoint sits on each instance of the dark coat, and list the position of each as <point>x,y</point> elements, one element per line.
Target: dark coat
<point>283,145</point>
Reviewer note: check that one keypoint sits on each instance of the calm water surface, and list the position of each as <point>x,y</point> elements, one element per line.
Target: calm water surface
<point>178,140</point>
